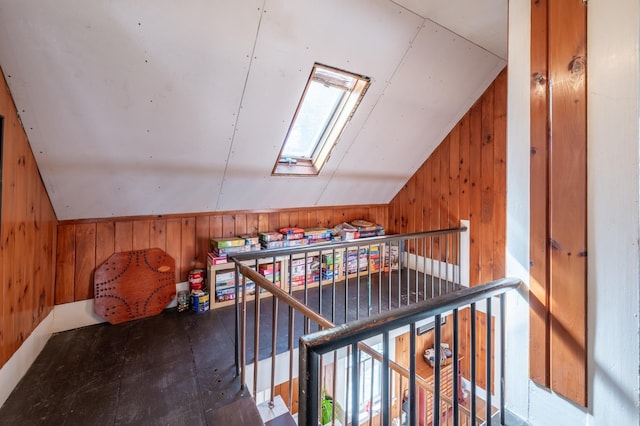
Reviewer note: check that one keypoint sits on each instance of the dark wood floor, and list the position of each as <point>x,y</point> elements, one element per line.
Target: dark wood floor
<point>172,369</point>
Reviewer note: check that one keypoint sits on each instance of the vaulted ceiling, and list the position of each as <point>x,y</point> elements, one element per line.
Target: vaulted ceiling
<point>157,106</point>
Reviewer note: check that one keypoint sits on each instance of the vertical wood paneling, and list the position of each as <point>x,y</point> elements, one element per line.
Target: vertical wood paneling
<point>158,234</point>
<point>184,237</point>
<point>174,249</point>
<point>65,264</point>
<point>499,186</point>
<point>28,238</point>
<point>188,247</point>
<point>263,223</point>
<point>240,224</point>
<point>567,199</point>
<point>486,185</point>
<point>215,226</point>
<point>202,239</point>
<point>85,262</point>
<point>228,225</point>
<point>558,240</point>
<point>105,241</point>
<point>465,161</point>
<point>465,178</point>
<point>141,232</point>
<point>538,269</point>
<point>475,194</point>
<point>453,210</point>
<point>252,223</point>
<point>124,236</point>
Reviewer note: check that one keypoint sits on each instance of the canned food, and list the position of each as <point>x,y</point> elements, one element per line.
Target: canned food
<point>196,279</point>
<point>199,301</point>
<point>183,300</point>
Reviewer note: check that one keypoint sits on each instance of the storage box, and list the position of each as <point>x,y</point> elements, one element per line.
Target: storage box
<point>219,243</point>
<point>270,236</point>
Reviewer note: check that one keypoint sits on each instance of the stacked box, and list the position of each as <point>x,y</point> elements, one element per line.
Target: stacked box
<point>223,252</point>
<point>356,260</point>
<point>298,271</point>
<point>296,243</point>
<point>266,269</point>
<point>213,259</point>
<point>223,243</point>
<point>270,240</point>
<point>367,229</point>
<point>273,244</point>
<point>375,258</point>
<point>331,267</point>
<point>225,282</point>
<point>317,235</point>
<point>251,240</point>
<point>392,256</point>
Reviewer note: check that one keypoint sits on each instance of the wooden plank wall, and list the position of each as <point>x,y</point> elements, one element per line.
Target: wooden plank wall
<point>85,245</point>
<point>464,178</point>
<point>28,231</point>
<point>558,293</point>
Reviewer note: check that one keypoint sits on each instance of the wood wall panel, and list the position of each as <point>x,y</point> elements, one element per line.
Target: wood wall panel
<point>464,178</point>
<point>28,237</point>
<point>538,264</point>
<point>558,197</point>
<point>83,245</point>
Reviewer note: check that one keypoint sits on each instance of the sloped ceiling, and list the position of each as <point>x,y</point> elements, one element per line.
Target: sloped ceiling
<point>156,107</point>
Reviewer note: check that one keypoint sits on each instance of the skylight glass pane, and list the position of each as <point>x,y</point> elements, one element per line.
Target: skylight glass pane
<point>319,105</point>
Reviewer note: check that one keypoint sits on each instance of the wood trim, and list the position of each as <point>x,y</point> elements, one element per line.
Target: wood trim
<point>538,269</point>
<point>568,199</point>
<point>558,291</point>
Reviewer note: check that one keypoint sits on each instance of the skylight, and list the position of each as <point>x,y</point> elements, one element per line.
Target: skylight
<point>330,98</point>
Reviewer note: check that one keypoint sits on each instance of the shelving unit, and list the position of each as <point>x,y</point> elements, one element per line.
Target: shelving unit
<point>290,270</point>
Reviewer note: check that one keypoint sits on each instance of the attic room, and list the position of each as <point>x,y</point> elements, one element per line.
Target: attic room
<point>130,127</point>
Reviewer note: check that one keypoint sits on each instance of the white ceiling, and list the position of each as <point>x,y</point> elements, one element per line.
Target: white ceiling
<point>159,106</point>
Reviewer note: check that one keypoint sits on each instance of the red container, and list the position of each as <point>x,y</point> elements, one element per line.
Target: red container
<point>196,279</point>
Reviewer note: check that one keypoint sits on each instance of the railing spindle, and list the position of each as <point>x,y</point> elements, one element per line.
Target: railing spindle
<point>473,361</point>
<point>355,398</point>
<point>456,367</point>
<point>503,350</point>
<point>488,363</point>
<point>385,398</point>
<point>436,370</point>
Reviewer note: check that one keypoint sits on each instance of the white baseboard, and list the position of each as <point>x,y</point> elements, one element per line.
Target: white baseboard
<point>67,316</point>
<point>15,368</point>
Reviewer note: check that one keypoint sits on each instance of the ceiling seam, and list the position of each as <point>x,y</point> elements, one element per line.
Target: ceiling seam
<point>244,88</point>
<point>448,29</point>
<point>373,107</point>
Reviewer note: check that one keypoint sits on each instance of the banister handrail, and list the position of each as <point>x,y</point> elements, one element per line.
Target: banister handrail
<point>313,345</point>
<point>478,293</point>
<point>329,245</point>
<point>286,298</point>
<point>327,340</point>
<point>315,342</point>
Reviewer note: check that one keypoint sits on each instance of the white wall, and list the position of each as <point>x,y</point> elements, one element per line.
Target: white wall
<point>613,216</point>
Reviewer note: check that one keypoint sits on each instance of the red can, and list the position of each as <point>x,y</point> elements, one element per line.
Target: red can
<point>196,279</point>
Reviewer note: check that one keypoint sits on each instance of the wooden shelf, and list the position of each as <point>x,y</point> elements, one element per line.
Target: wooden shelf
<point>319,265</point>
